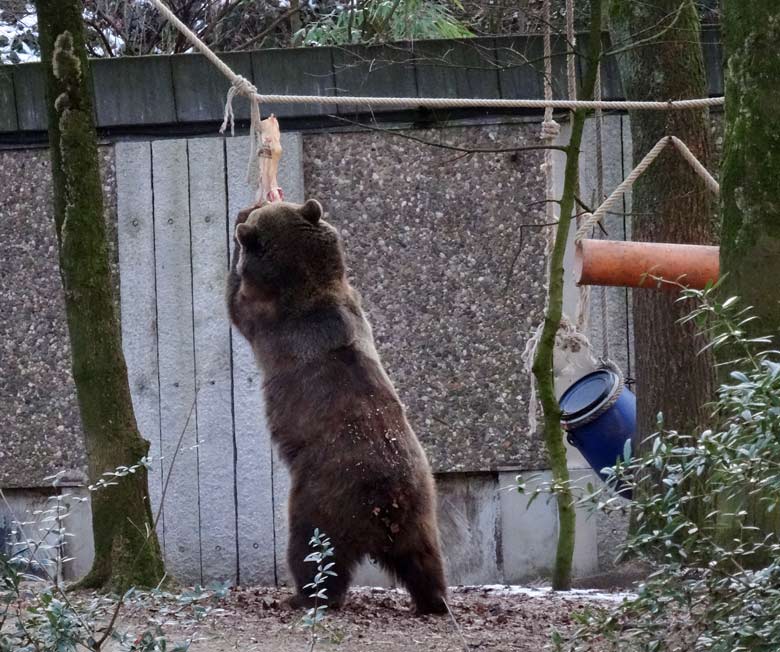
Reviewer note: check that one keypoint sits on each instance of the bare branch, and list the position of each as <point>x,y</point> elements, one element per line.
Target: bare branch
<point>456,148</point>
<point>101,36</point>
<point>270,28</point>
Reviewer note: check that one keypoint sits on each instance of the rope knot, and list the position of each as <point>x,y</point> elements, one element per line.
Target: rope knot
<point>243,86</point>
<point>550,130</point>
<point>240,86</point>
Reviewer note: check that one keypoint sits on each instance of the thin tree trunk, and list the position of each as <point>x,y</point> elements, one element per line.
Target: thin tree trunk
<point>543,361</point>
<point>670,203</point>
<point>126,549</point>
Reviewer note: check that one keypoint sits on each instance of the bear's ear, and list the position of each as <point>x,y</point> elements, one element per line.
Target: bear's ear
<point>246,235</point>
<point>312,211</point>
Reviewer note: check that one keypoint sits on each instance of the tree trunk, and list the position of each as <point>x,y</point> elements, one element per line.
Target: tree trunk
<point>750,201</point>
<point>663,60</point>
<point>126,549</point>
<point>543,360</point>
<point>750,189</point>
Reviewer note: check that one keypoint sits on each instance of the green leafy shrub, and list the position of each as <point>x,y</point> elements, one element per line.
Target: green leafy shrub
<point>385,20</point>
<point>705,514</point>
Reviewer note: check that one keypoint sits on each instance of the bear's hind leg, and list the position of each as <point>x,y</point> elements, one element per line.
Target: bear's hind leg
<point>420,570</point>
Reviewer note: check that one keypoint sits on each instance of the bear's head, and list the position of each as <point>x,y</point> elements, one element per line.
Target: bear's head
<point>288,252</point>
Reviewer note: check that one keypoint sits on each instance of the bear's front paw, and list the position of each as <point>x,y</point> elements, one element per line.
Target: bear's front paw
<point>244,214</point>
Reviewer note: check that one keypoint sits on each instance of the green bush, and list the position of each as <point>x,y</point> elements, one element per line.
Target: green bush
<point>704,514</point>
<point>385,20</point>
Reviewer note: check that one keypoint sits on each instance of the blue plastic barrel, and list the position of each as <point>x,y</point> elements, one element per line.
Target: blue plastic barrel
<point>599,415</point>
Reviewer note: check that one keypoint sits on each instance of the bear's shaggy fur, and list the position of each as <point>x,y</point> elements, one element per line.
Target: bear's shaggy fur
<point>358,471</point>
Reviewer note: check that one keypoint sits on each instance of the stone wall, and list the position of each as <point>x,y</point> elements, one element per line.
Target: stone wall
<point>39,421</point>
<point>38,417</point>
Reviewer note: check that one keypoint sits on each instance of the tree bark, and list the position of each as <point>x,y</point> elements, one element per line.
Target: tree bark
<point>750,189</point>
<point>664,60</point>
<point>126,549</point>
<point>750,203</point>
<point>543,360</point>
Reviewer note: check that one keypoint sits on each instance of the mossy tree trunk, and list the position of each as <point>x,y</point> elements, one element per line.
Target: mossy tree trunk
<point>543,361</point>
<point>750,172</point>
<point>750,196</point>
<point>663,60</point>
<point>126,548</point>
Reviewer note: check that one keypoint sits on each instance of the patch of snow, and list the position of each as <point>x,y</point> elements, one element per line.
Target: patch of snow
<point>31,19</point>
<point>547,592</point>
<point>11,32</point>
<point>529,591</point>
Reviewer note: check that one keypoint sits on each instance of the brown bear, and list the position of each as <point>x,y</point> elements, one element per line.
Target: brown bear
<point>358,471</point>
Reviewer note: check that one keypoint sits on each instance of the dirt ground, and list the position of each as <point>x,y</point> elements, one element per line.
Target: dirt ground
<point>494,619</point>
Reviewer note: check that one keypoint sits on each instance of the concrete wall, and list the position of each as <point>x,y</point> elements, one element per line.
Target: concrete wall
<point>488,533</point>
<point>50,527</point>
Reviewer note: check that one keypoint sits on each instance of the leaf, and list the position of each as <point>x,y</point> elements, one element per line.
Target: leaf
<point>627,450</point>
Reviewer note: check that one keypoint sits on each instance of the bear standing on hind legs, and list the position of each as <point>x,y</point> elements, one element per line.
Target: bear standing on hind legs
<point>358,471</point>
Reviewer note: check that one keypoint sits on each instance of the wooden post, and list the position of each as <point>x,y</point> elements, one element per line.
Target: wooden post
<point>642,264</point>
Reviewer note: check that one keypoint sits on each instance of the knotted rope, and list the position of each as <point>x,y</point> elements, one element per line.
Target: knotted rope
<point>238,86</point>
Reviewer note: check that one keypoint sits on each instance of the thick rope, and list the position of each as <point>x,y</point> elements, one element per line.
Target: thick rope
<point>550,132</point>
<point>245,87</point>
<point>600,191</point>
<point>550,128</point>
<point>628,182</point>
<point>547,129</point>
<point>192,38</point>
<point>583,300</point>
<point>687,154</point>
<point>464,102</point>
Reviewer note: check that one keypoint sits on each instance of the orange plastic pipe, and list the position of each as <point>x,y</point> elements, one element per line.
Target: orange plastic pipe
<point>635,264</point>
